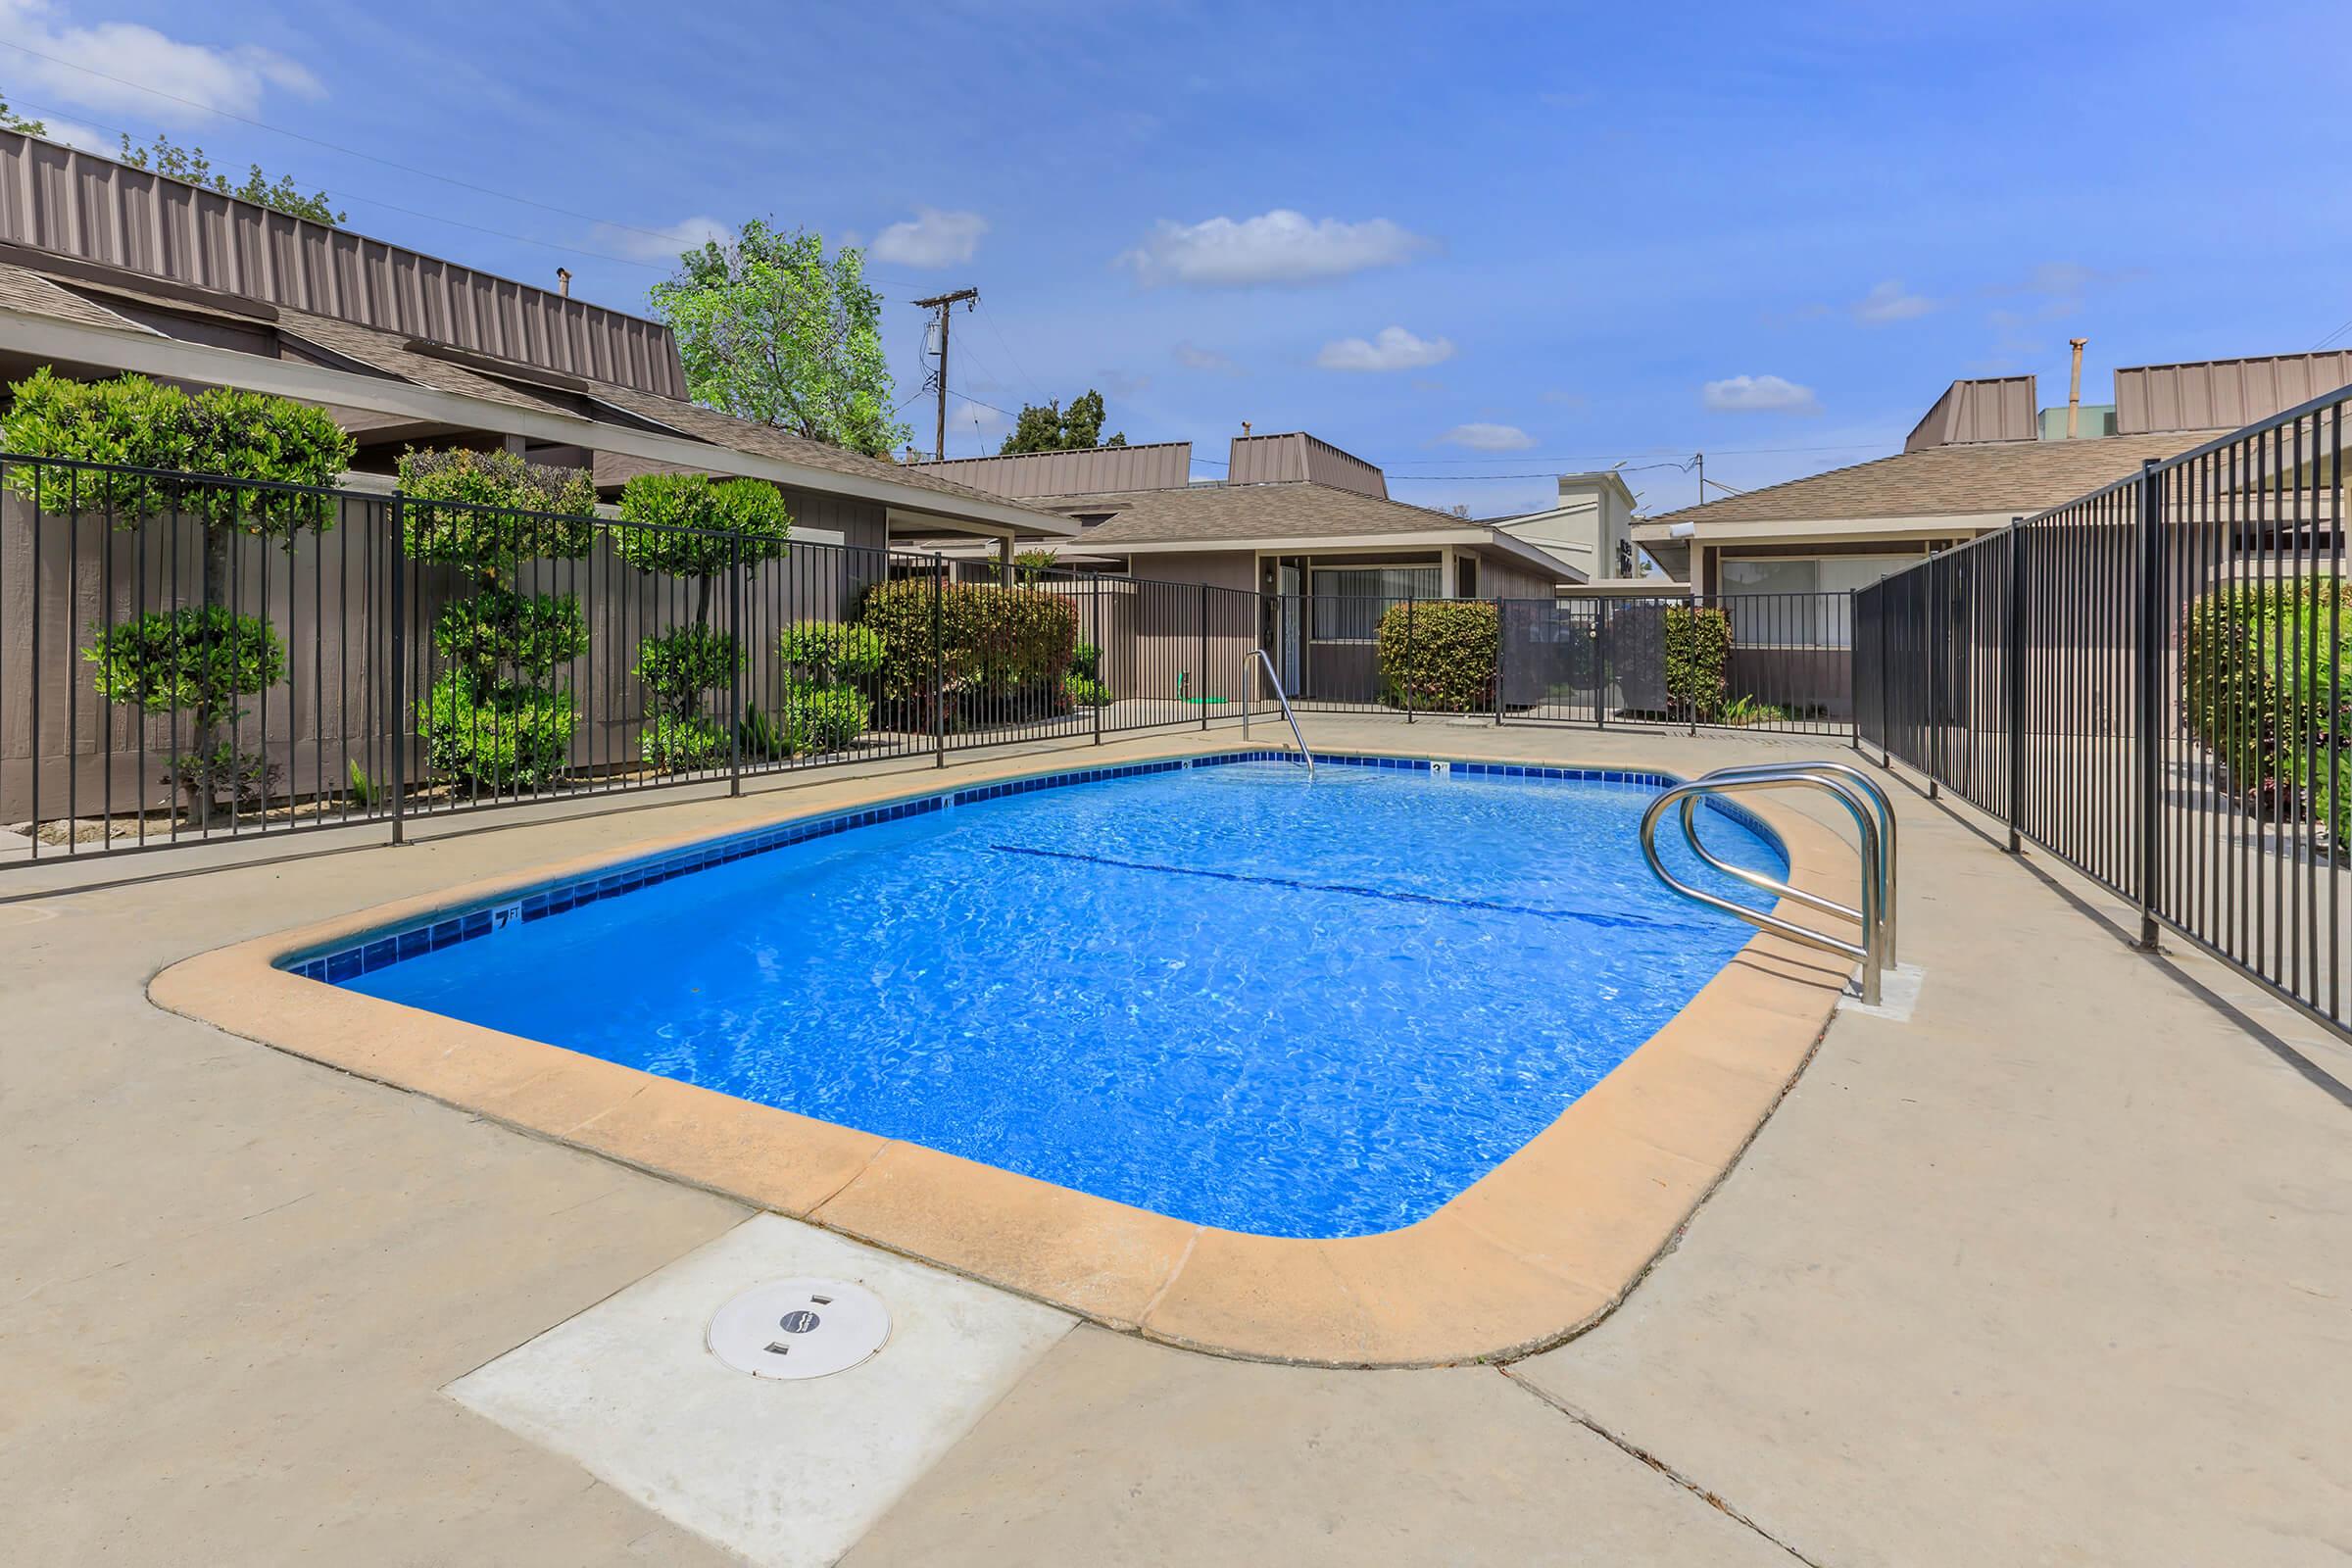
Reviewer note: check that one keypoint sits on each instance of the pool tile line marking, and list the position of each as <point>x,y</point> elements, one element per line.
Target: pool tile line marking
<point>1394,895</point>
<point>537,903</point>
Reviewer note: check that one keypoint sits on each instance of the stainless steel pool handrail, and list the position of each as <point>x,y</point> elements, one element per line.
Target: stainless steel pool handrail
<point>1861,783</point>
<point>1870,952</point>
<point>1256,662</point>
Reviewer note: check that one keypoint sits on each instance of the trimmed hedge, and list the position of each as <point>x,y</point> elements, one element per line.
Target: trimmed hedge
<point>1438,656</point>
<point>1001,652</point>
<point>683,519</point>
<point>1699,657</point>
<point>199,657</point>
<point>2259,685</point>
<point>505,737</point>
<point>830,652</point>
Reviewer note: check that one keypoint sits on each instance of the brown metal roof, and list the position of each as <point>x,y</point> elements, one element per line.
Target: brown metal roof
<point>90,209</point>
<point>2223,394</point>
<point>1295,455</point>
<point>1154,465</point>
<point>2006,478</point>
<point>2000,409</point>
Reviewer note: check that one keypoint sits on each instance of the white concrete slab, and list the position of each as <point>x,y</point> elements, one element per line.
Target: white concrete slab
<point>1898,994</point>
<point>789,1474</point>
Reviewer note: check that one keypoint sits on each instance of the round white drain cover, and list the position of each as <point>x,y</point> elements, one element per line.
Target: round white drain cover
<point>800,1328</point>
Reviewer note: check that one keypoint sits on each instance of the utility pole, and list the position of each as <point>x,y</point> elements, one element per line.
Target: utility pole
<point>940,302</point>
<point>1700,457</point>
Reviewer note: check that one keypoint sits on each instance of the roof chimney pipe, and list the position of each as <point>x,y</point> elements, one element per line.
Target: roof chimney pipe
<point>1245,430</point>
<point>2074,390</point>
<point>563,282</point>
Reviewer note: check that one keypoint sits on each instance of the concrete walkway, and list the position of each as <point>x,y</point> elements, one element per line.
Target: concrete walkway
<point>2060,1271</point>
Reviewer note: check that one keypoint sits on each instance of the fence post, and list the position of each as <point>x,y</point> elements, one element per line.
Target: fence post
<point>2151,695</point>
<point>1931,643</point>
<point>1201,690</point>
<point>2017,682</point>
<point>400,674</point>
<point>939,662</point>
<point>1502,640</point>
<point>735,665</point>
<point>1603,667</point>
<point>1406,678</point>
<point>1101,655</point>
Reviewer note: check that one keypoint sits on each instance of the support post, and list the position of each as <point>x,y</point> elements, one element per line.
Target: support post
<point>2151,661</point>
<point>1101,655</point>
<point>2017,683</point>
<point>400,674</point>
<point>1604,674</point>
<point>939,662</point>
<point>1930,648</point>
<point>1201,687</point>
<point>1503,641</point>
<point>735,665</point>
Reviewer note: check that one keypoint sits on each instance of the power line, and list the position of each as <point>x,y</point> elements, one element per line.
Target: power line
<point>2331,337</point>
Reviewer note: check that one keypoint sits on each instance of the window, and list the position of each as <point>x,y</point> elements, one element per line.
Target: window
<point>1349,600</point>
<point>1465,577</point>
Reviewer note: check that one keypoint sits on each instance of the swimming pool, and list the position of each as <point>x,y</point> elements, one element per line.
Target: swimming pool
<point>1215,992</point>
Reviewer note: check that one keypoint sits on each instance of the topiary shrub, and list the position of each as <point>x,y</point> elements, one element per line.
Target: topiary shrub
<point>2259,672</point>
<point>1437,654</point>
<point>490,511</point>
<point>1084,691</point>
<point>1698,656</point>
<point>691,526</point>
<point>1001,652</point>
<point>495,738</point>
<point>194,658</point>
<point>830,652</point>
<point>826,718</point>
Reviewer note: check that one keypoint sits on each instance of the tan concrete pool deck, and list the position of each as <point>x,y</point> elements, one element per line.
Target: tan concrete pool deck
<point>1542,1247</point>
<point>2060,1270</point>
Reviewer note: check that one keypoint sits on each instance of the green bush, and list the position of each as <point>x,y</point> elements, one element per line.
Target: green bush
<point>1086,659</point>
<point>507,736</point>
<point>830,652</point>
<point>679,666</point>
<point>1084,691</point>
<point>2259,674</point>
<point>826,718</point>
<point>1437,654</point>
<point>763,738</point>
<point>683,741</point>
<point>684,521</point>
<point>1698,656</point>
<point>133,421</point>
<point>498,630</point>
<point>200,658</point>
<point>1000,652</point>
<point>512,511</point>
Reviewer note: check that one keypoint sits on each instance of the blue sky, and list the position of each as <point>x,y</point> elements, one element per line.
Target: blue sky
<point>1477,246</point>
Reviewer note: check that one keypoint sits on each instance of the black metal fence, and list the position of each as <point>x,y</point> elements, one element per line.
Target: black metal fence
<point>2146,681</point>
<point>184,659</point>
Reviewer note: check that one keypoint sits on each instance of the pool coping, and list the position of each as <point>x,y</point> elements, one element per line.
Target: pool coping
<point>1537,1250</point>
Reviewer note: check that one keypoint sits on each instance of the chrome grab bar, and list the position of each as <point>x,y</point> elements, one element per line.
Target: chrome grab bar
<point>1877,877</point>
<point>1256,662</point>
<point>1859,783</point>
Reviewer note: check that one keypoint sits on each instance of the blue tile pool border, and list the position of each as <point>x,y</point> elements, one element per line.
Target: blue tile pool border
<point>350,959</point>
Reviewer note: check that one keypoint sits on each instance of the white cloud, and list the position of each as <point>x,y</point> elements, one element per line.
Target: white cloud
<point>1888,304</point>
<point>74,133</point>
<point>230,80</point>
<point>1277,247</point>
<point>930,239</point>
<point>1758,394</point>
<point>1488,438</point>
<point>1392,349</point>
<point>666,244</point>
<point>1193,357</point>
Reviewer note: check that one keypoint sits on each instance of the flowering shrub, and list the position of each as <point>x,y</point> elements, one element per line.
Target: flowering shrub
<point>998,654</point>
<point>1437,654</point>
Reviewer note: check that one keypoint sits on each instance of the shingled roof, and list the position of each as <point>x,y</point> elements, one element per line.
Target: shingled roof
<point>1242,513</point>
<point>2004,478</point>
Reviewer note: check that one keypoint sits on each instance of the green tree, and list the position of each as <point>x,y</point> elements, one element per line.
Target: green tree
<point>1050,428</point>
<point>281,195</point>
<point>11,120</point>
<point>772,331</point>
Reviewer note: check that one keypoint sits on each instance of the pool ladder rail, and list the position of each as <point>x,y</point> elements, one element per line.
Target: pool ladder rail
<point>1873,823</point>
<point>1256,662</point>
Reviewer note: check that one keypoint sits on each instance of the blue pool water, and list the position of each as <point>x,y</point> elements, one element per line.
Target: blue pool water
<point>1219,993</point>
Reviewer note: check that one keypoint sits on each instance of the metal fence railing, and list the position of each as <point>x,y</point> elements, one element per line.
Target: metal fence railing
<point>2146,682</point>
<point>186,658</point>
